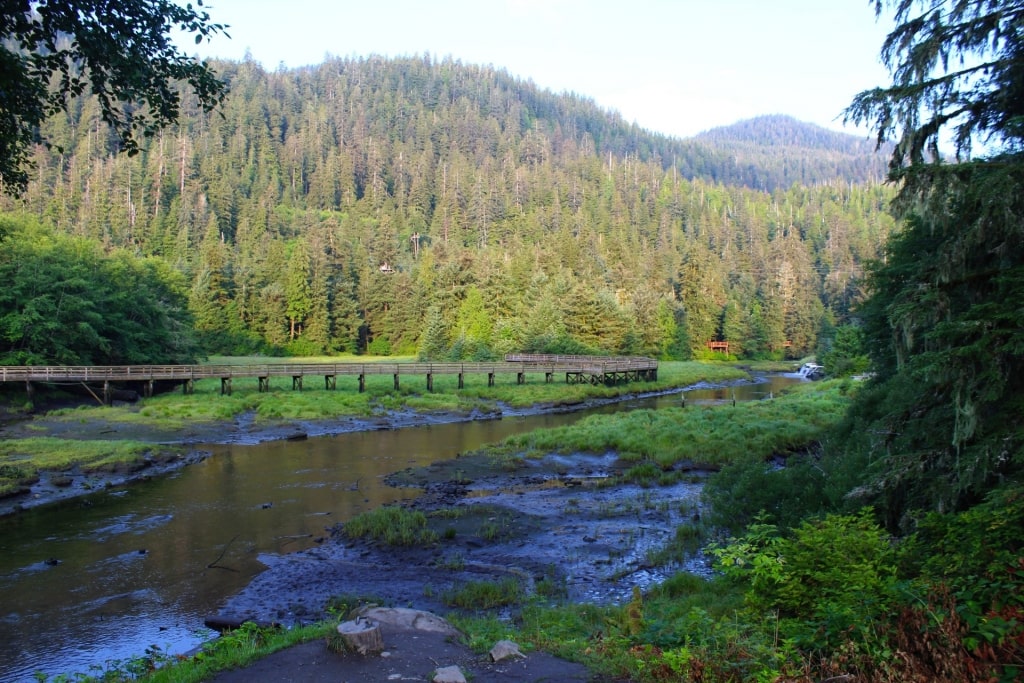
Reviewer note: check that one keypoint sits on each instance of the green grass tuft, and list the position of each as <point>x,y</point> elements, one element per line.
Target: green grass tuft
<point>392,525</point>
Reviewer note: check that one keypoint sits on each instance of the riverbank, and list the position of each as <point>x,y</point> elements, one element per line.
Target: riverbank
<point>513,531</point>
<point>215,522</point>
<point>584,513</point>
<point>178,426</point>
<point>562,528</point>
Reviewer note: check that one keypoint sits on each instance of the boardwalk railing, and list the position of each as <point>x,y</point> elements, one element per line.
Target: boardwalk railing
<point>577,369</point>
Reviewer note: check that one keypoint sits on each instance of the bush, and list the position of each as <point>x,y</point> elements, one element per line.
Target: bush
<point>831,578</point>
<point>379,347</point>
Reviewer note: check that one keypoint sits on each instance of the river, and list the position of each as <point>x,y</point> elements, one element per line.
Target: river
<point>101,579</point>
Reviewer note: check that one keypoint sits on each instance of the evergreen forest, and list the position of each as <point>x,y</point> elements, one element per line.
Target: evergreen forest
<point>415,206</point>
<point>423,206</point>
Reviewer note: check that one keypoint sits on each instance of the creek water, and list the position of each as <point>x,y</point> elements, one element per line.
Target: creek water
<point>99,580</point>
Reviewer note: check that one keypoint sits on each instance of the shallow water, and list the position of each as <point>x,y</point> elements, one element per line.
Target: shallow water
<point>101,579</point>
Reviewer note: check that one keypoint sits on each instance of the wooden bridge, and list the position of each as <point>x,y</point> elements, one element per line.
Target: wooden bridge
<point>606,370</point>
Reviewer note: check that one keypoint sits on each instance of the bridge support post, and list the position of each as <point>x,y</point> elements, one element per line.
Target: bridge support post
<point>549,377</point>
<point>296,382</point>
<point>264,384</point>
<point>396,382</point>
<point>147,389</point>
<point>520,378</point>
<point>430,381</point>
<point>188,387</point>
<point>107,393</point>
<point>490,379</point>
<point>30,390</point>
<point>330,382</point>
<point>225,386</point>
<point>362,383</point>
<point>461,382</point>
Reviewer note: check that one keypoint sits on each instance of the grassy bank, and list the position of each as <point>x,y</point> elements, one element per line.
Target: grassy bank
<point>175,410</point>
<point>702,436</point>
<point>22,460</point>
<point>231,650</point>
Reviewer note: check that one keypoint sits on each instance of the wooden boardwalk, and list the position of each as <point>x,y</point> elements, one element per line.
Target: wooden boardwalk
<point>606,370</point>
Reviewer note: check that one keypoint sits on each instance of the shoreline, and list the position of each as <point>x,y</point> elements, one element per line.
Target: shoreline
<point>60,486</point>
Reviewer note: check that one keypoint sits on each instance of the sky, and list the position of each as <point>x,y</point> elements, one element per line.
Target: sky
<point>676,67</point>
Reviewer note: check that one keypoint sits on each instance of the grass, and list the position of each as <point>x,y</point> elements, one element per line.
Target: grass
<point>484,595</point>
<point>707,435</point>
<point>174,410</point>
<point>670,633</point>
<point>231,650</point>
<point>392,525</point>
<point>21,460</point>
<point>687,539</point>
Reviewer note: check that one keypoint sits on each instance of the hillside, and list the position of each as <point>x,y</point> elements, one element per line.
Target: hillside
<point>778,151</point>
<point>419,205</point>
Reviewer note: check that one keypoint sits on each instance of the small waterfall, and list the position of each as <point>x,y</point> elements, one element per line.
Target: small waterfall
<point>811,371</point>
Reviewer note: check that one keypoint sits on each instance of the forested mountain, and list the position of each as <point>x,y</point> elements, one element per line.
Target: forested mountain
<point>416,205</point>
<point>775,151</point>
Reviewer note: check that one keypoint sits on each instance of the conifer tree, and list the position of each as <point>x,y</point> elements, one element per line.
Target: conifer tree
<point>944,323</point>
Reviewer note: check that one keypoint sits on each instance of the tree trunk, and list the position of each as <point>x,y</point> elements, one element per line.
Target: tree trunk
<point>361,635</point>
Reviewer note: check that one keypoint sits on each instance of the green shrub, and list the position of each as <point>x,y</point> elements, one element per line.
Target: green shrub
<point>832,575</point>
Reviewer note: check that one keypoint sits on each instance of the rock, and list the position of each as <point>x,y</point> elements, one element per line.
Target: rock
<point>449,674</point>
<point>408,619</point>
<point>361,635</point>
<point>505,649</point>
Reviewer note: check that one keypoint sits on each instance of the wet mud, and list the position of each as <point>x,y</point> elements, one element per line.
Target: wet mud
<point>560,525</point>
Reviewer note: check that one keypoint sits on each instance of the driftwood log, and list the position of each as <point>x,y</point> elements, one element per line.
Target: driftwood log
<point>361,635</point>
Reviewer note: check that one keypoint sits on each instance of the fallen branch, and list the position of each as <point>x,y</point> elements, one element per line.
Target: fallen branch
<point>214,565</point>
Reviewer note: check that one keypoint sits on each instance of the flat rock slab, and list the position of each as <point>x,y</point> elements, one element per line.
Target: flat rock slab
<point>411,655</point>
<point>405,618</point>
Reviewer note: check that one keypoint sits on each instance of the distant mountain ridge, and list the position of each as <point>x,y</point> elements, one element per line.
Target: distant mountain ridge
<point>771,151</point>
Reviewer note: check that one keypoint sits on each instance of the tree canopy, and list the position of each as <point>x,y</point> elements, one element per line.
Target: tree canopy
<point>957,66</point>
<point>65,301</point>
<point>119,50</point>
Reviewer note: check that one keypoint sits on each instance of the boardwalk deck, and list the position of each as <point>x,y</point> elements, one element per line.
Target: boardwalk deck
<point>577,369</point>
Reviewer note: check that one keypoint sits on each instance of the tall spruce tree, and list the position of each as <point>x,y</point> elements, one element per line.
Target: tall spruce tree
<point>944,321</point>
